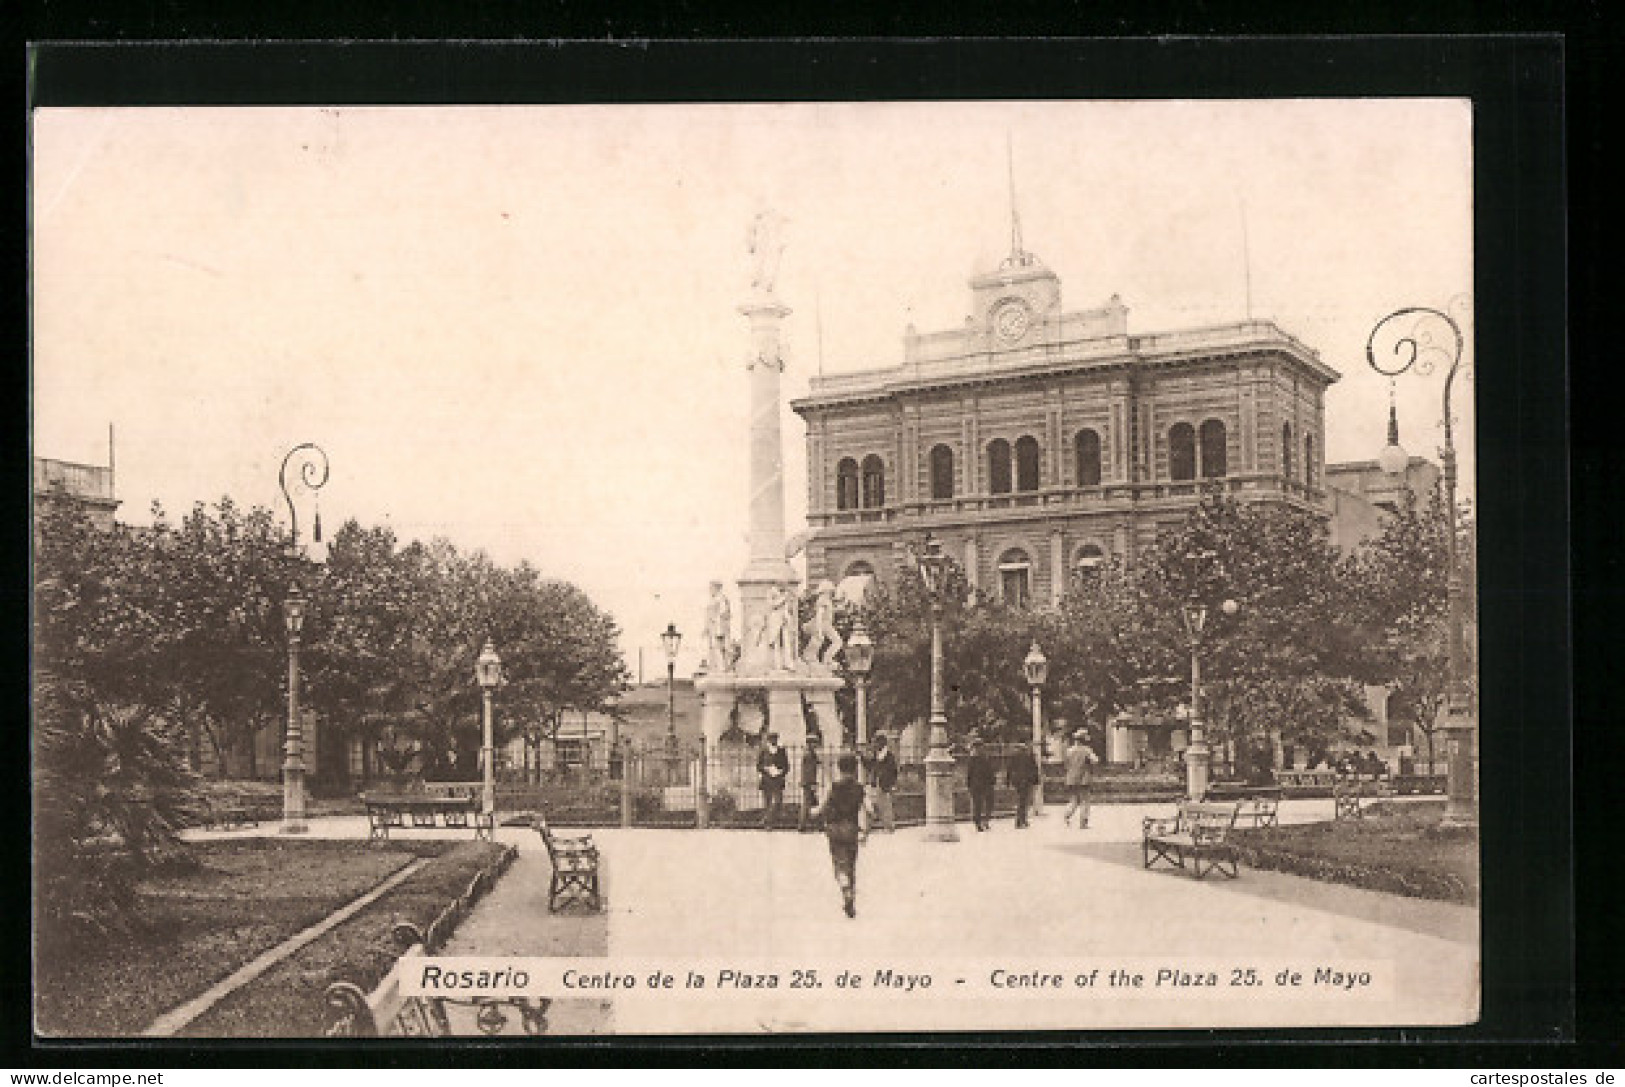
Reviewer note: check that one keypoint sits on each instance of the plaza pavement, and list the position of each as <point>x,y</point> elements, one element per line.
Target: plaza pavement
<point>1049,896</point>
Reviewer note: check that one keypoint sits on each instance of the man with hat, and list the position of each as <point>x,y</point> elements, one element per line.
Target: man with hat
<point>772,766</point>
<point>1079,759</point>
<point>809,782</point>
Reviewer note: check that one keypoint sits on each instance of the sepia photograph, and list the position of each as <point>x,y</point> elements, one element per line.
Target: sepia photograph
<point>751,568</point>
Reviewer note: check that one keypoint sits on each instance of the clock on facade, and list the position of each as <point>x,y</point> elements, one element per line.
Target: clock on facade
<point>1010,321</point>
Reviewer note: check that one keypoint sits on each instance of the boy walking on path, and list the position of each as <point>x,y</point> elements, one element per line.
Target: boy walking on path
<point>1079,759</point>
<point>882,783</point>
<point>841,815</point>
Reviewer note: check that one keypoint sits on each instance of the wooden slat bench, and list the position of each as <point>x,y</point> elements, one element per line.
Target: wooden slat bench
<point>1346,797</point>
<point>575,868</point>
<point>1197,831</point>
<point>226,812</point>
<point>425,811</point>
<point>389,1011</point>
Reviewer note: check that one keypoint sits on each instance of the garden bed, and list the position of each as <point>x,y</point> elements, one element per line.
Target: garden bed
<point>1399,848</point>
<point>246,896</point>
<point>286,1000</point>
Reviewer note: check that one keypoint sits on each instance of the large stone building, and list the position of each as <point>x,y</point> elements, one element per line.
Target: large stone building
<point>1034,440</point>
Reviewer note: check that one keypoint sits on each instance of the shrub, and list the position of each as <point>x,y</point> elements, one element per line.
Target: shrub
<point>724,806</point>
<point>111,790</point>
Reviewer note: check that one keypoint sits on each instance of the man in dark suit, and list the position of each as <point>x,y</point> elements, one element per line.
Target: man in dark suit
<point>1023,776</point>
<point>979,779</point>
<point>809,783</point>
<point>773,767</point>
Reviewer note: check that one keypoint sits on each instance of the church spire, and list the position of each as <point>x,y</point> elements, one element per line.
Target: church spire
<point>1018,257</point>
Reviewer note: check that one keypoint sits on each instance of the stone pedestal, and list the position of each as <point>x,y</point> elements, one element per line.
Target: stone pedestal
<point>784,691</point>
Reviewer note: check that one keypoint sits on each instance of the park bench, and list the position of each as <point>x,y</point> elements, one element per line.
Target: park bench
<point>1199,831</point>
<point>425,811</point>
<point>389,1011</point>
<point>1318,782</point>
<point>1347,794</point>
<point>575,868</point>
<point>1259,808</point>
<point>226,812</point>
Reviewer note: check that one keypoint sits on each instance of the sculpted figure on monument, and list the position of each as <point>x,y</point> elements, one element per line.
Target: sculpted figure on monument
<point>781,631</point>
<point>718,630</point>
<point>824,641</point>
<point>766,243</point>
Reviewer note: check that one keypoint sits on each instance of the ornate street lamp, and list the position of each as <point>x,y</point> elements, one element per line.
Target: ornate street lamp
<point>671,640</point>
<point>312,472</point>
<point>488,672</point>
<point>1197,754</point>
<point>1415,344</point>
<point>939,764</point>
<point>1036,669</point>
<point>293,763</point>
<point>860,658</point>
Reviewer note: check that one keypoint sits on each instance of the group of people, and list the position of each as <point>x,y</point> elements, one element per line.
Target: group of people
<point>850,809</point>
<point>1024,775</point>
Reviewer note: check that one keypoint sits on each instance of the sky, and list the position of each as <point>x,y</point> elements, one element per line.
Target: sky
<point>516,327</point>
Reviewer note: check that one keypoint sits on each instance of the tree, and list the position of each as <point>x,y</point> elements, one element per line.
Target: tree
<point>1404,605</point>
<point>111,786</point>
<point>229,572</point>
<point>1286,666</point>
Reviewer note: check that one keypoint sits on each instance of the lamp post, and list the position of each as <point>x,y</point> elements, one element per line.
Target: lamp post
<point>488,671</point>
<point>312,472</point>
<point>1036,668</point>
<point>1197,754</point>
<point>671,640</point>
<point>293,763</point>
<point>939,764</point>
<point>1414,345</point>
<point>860,657</point>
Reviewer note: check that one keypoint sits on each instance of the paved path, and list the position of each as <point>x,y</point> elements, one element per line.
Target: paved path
<point>1051,893</point>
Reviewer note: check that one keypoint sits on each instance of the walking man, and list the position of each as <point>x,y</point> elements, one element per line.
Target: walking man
<point>979,779</point>
<point>809,782</point>
<point>1079,759</point>
<point>882,783</point>
<point>772,766</point>
<point>1024,778</point>
<point>841,815</point>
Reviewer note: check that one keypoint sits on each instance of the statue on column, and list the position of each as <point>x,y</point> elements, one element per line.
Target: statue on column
<point>766,243</point>
<point>718,630</point>
<point>824,641</point>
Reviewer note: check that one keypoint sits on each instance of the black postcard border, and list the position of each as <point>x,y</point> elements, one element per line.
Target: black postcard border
<point>1517,84</point>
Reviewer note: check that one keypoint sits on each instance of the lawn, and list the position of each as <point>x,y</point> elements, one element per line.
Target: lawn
<point>286,1000</point>
<point>247,895</point>
<point>1397,847</point>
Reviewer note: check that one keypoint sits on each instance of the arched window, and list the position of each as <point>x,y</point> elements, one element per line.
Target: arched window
<point>1015,578</point>
<point>1089,556</point>
<point>1088,446</point>
<point>1027,463</point>
<point>1181,452</point>
<point>846,484</point>
<point>1213,450</point>
<point>1286,450</point>
<point>1309,459</point>
<point>998,466</point>
<point>874,482</point>
<point>942,472</point>
<point>856,582</point>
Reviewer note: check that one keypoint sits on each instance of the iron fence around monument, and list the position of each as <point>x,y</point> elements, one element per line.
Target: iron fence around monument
<point>653,784</point>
